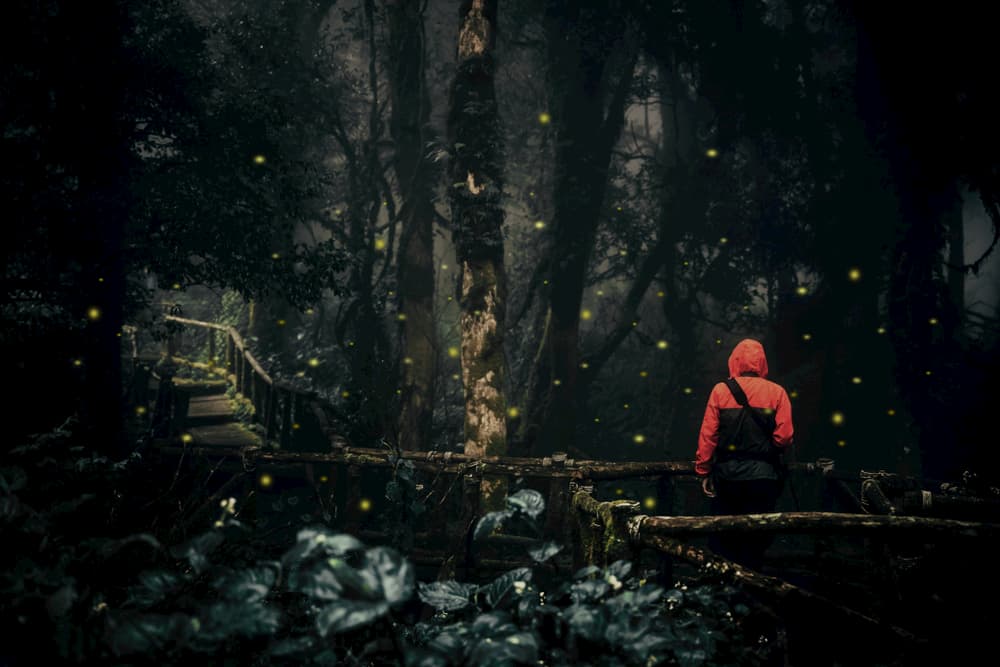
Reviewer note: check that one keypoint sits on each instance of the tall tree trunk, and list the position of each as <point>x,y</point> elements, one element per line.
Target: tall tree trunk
<point>410,113</point>
<point>476,172</point>
<point>580,41</point>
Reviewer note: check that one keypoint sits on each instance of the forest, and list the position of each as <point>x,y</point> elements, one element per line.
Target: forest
<point>381,332</point>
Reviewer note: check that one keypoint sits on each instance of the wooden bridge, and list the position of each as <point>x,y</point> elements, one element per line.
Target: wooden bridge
<point>276,449</point>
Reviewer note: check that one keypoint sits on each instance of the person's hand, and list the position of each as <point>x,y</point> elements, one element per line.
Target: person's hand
<point>708,486</point>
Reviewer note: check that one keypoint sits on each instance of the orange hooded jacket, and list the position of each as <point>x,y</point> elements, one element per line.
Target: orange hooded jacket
<point>747,453</point>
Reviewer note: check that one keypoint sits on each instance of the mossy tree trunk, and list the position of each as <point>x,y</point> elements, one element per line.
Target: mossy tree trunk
<point>477,185</point>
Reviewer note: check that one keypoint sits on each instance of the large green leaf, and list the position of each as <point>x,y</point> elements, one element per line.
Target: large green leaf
<point>152,588</point>
<point>503,589</point>
<point>250,585</point>
<point>394,574</point>
<point>527,501</point>
<point>446,595</point>
<point>490,522</point>
<point>520,647</point>
<point>545,551</point>
<point>586,620</point>
<point>346,615</point>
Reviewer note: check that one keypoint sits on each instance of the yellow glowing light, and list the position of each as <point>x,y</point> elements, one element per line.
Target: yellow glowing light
<point>746,307</point>
<point>731,447</point>
<point>176,285</point>
<point>634,323</point>
<point>314,362</point>
<point>638,438</point>
<point>94,313</point>
<point>385,203</point>
<point>345,394</point>
<point>310,311</point>
<point>688,390</point>
<point>802,290</point>
<point>712,152</point>
<point>350,343</point>
<point>841,443</point>
<point>723,240</point>
<point>281,323</point>
<point>380,244</point>
<point>100,280</point>
<point>643,374</point>
<point>807,336</point>
<point>336,211</point>
<point>140,410</point>
<point>661,294</point>
<point>544,118</point>
<point>275,255</point>
<point>584,365</point>
<point>619,491</point>
<point>296,426</point>
<point>854,275</point>
<point>585,314</point>
<point>718,341</point>
<point>444,267</point>
<point>793,394</point>
<point>557,382</point>
<point>401,317</point>
<point>856,380</point>
<point>539,224</point>
<point>454,376</point>
<point>531,194</point>
<point>597,420</point>
<point>600,292</point>
<point>662,344</point>
<point>265,480</point>
<point>513,412</point>
<point>649,503</point>
<point>890,412</point>
<point>545,282</point>
<point>837,418</point>
<point>625,406</point>
<point>623,252</point>
<point>365,505</point>
<point>259,159</point>
<point>300,374</point>
<point>933,320</point>
<point>880,330</point>
<point>324,479</point>
<point>187,437</point>
<point>399,392</point>
<point>453,352</point>
<point>927,372</point>
<point>407,361</point>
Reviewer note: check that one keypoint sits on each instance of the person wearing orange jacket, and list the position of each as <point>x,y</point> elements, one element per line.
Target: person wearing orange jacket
<point>740,448</point>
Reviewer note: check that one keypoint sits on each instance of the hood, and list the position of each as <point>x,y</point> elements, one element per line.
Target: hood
<point>748,355</point>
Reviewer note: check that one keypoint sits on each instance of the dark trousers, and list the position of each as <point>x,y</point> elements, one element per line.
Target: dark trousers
<point>755,496</point>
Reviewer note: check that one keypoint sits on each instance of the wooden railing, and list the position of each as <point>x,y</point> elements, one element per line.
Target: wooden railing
<point>280,409</point>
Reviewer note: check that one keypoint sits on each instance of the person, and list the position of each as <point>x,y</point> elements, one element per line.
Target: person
<point>739,453</point>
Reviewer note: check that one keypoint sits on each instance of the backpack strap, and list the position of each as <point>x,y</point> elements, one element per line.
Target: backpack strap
<point>741,398</point>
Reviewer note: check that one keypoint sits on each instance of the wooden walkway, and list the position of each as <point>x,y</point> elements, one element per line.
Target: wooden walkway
<point>211,422</point>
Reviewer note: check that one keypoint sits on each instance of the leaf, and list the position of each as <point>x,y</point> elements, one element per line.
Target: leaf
<point>490,522</point>
<point>196,550</point>
<point>446,595</point>
<point>311,542</point>
<point>520,647</point>
<point>293,647</point>
<point>620,569</point>
<point>250,585</point>
<point>346,615</point>
<point>544,552</point>
<point>394,574</point>
<point>589,590</point>
<point>528,501</point>
<point>587,621</point>
<point>502,587</point>
<point>152,588</point>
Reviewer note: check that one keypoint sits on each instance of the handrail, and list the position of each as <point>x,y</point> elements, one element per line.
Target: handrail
<point>278,406</point>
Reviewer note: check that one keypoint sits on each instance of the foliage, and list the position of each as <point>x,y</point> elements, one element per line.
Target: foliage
<point>222,595</point>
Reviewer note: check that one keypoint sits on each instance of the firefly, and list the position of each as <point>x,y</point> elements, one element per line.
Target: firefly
<point>643,374</point>
<point>407,361</point>
<point>314,362</point>
<point>275,255</point>
<point>453,352</point>
<point>661,294</point>
<point>712,153</point>
<point>365,505</point>
<point>662,344</point>
<point>544,118</point>
<point>807,336</point>
<point>539,224</point>
<point>94,313</point>
<point>841,443</point>
<point>688,390</point>
<point>557,382</point>
<point>513,412</point>
<point>649,503</point>
<point>854,275</point>
<point>265,480</point>
<point>401,317</point>
<point>638,438</point>
<point>187,437</point>
<point>856,380</point>
<point>801,290</point>
<point>259,159</point>
<point>380,244</point>
<point>585,314</point>
<point>345,394</point>
<point>837,418</point>
<point>296,426</point>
